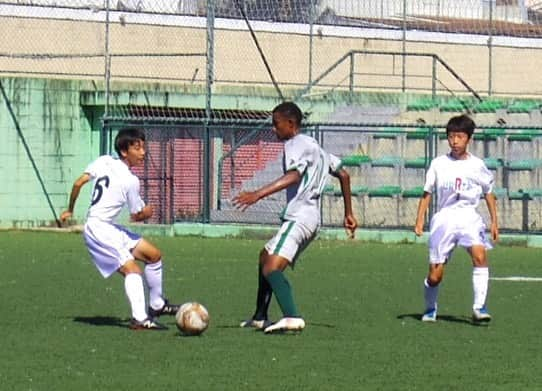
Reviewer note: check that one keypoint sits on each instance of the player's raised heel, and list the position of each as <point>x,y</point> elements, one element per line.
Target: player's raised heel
<point>146,324</point>
<point>167,309</point>
<point>430,315</point>
<point>481,315</point>
<point>286,324</point>
<point>256,324</point>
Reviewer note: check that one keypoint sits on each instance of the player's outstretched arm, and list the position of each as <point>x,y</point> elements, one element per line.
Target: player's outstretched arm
<point>423,205</point>
<point>76,188</point>
<point>492,208</point>
<point>246,198</point>
<point>350,222</point>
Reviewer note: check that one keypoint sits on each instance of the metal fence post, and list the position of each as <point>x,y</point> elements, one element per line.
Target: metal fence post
<point>351,78</point>
<point>403,87</point>
<point>208,113</point>
<point>490,51</point>
<point>311,36</point>
<point>107,80</point>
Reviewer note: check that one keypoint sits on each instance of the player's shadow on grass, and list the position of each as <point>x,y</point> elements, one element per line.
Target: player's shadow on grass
<point>445,318</point>
<point>236,326</point>
<point>102,321</point>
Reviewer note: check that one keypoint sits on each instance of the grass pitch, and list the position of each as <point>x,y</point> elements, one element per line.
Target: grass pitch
<point>65,328</point>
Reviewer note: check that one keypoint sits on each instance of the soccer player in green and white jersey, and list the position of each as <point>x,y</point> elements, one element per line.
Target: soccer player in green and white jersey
<point>306,167</point>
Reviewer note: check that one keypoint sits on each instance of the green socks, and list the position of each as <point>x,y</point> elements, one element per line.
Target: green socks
<point>283,293</point>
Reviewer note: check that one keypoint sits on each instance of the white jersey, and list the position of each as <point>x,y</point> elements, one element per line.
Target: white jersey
<point>114,186</point>
<point>458,183</point>
<point>303,154</point>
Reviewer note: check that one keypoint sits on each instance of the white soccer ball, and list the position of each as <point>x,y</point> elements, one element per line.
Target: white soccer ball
<point>192,318</point>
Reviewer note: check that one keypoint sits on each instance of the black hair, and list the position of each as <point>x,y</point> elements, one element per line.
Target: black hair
<point>290,110</point>
<point>126,137</point>
<point>461,123</point>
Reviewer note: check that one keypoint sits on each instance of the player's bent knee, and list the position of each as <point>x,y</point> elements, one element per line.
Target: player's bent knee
<point>434,279</point>
<point>155,257</point>
<point>479,262</point>
<point>273,263</point>
<point>129,267</point>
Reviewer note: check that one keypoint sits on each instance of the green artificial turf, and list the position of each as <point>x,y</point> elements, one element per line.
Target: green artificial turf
<point>65,328</point>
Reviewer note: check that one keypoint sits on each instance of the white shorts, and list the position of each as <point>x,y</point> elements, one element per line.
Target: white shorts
<point>456,227</point>
<point>290,240</point>
<point>109,245</point>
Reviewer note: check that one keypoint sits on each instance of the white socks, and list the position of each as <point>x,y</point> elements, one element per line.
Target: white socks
<point>480,278</point>
<point>153,276</point>
<point>430,294</point>
<point>133,285</point>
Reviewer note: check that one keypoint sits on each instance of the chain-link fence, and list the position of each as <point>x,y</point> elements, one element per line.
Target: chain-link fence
<point>387,168</point>
<point>201,77</point>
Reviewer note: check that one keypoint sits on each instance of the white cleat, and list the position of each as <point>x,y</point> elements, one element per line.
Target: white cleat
<point>286,324</point>
<point>480,315</point>
<point>430,315</point>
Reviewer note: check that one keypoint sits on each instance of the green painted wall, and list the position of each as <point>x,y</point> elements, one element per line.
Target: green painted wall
<point>61,140</point>
<point>61,122</point>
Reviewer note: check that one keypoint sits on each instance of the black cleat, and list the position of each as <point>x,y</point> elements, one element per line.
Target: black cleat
<point>146,324</point>
<point>167,309</point>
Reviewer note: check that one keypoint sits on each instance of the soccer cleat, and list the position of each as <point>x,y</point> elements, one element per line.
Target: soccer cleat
<point>167,309</point>
<point>256,324</point>
<point>285,324</point>
<point>146,324</point>
<point>480,315</point>
<point>430,315</point>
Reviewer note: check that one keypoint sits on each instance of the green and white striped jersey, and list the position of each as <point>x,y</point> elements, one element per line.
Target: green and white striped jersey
<point>303,154</point>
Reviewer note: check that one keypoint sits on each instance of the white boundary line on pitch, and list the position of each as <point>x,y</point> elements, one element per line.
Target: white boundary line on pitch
<point>517,278</point>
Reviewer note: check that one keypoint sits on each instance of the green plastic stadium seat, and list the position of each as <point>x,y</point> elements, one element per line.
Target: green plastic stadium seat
<point>355,160</point>
<point>415,192</point>
<point>418,134</point>
<point>455,104</point>
<point>523,106</point>
<point>490,134</point>
<point>524,135</point>
<point>329,189</point>
<point>489,106</point>
<point>534,192</point>
<point>517,195</point>
<point>419,162</point>
<point>524,165</point>
<point>385,191</point>
<point>355,190</point>
<point>500,192</point>
<point>422,104</point>
<point>387,161</point>
<point>442,135</point>
<point>359,190</point>
<point>388,133</point>
<point>529,194</point>
<point>493,163</point>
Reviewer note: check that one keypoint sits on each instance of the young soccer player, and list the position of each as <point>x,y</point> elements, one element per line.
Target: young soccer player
<point>306,166</point>
<point>460,180</point>
<point>112,247</point>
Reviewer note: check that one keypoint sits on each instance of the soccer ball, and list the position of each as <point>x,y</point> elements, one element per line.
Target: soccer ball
<point>192,318</point>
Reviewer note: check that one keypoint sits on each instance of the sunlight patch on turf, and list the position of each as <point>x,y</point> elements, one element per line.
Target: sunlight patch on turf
<point>517,278</point>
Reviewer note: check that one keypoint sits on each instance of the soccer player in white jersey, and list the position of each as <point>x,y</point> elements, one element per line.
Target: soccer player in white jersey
<point>306,167</point>
<point>112,247</point>
<point>460,180</point>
